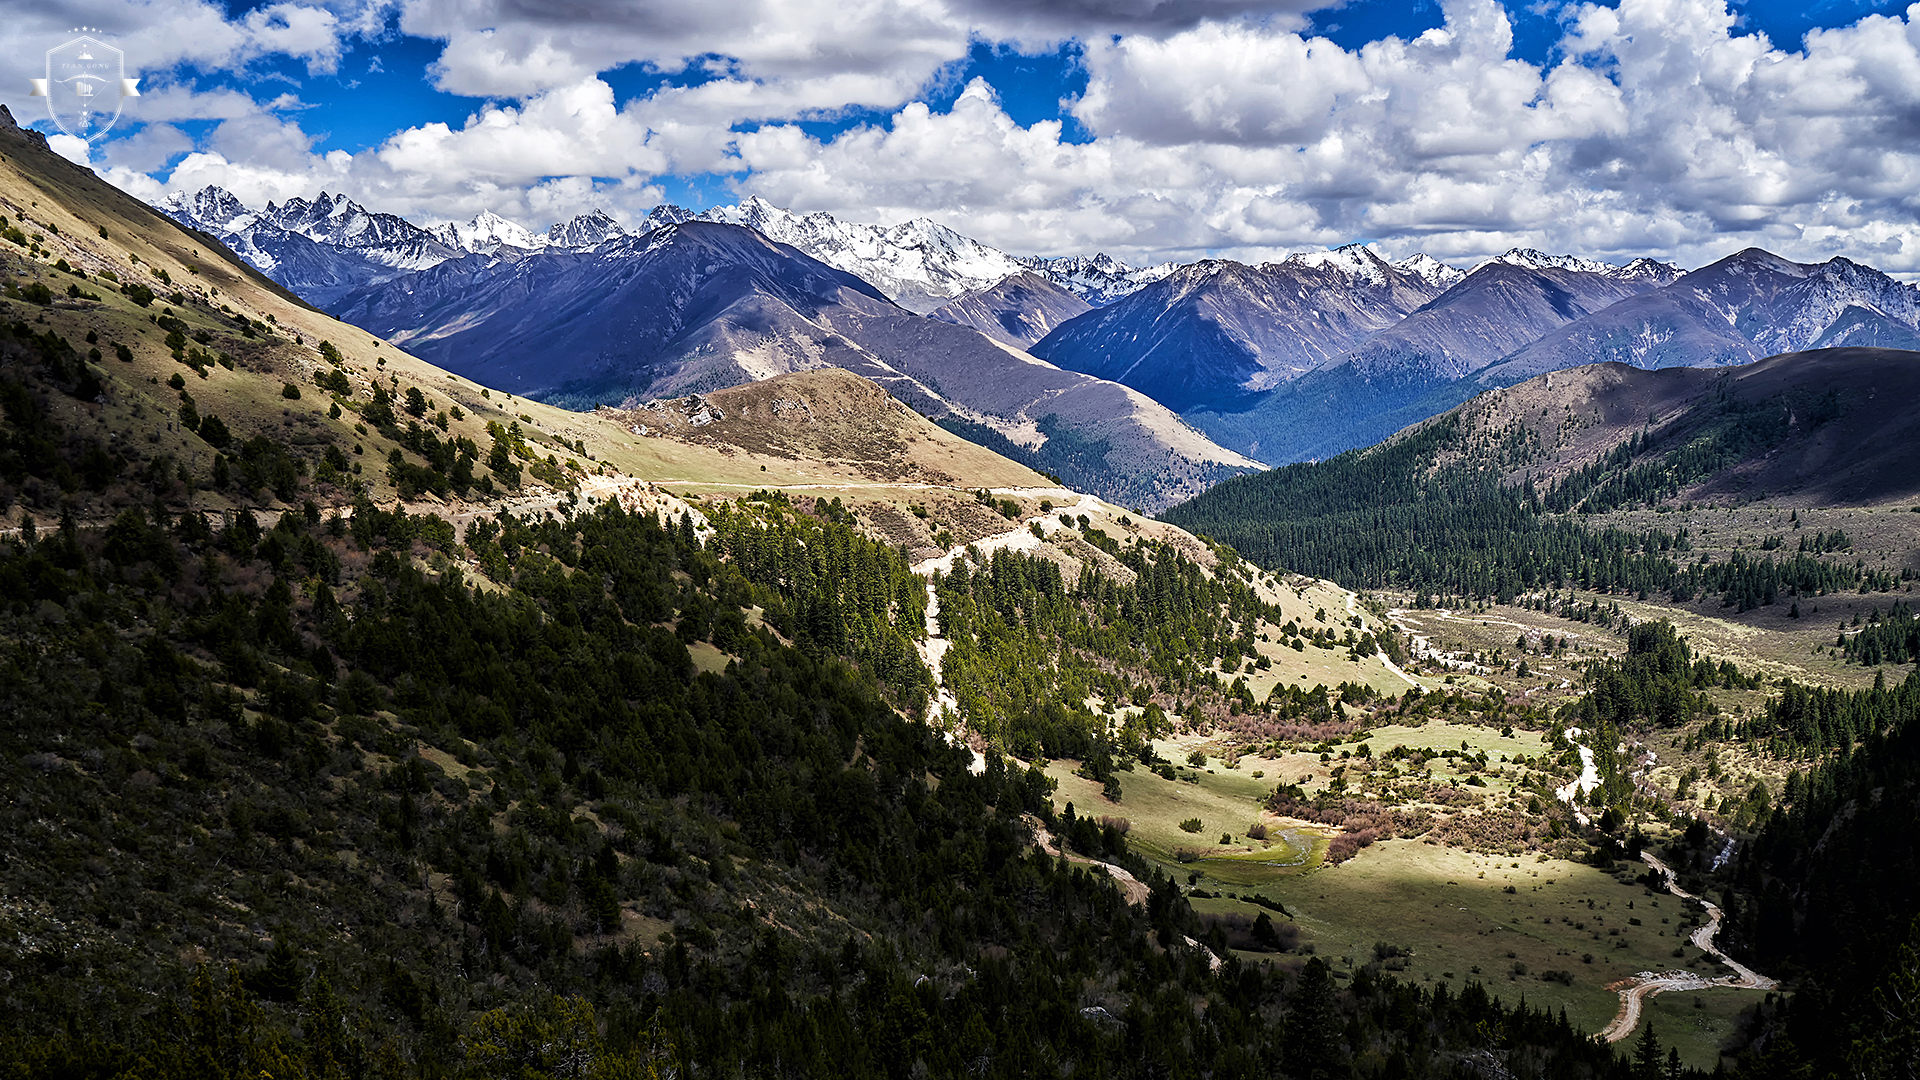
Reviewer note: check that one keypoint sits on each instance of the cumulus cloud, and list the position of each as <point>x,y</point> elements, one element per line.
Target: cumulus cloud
<point>78,151</point>
<point>148,149</point>
<point>515,48</point>
<point>1665,130</point>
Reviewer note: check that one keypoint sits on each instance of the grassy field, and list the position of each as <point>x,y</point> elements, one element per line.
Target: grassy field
<point>1228,795</point>
<point>1225,801</point>
<point>1698,1022</point>
<point>1450,910</point>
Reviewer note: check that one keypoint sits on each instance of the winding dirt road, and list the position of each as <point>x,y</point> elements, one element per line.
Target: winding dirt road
<point>1635,991</point>
<point>1131,887</point>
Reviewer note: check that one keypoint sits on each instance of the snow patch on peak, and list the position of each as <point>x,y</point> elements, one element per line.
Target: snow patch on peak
<point>1649,269</point>
<point>1533,259</point>
<point>1099,279</point>
<point>488,232</point>
<point>585,231</point>
<point>919,263</point>
<point>1361,262</point>
<point>209,209</point>
<point>1430,270</point>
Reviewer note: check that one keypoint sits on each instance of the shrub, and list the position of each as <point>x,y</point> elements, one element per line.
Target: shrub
<point>1191,825</point>
<point>290,392</point>
<point>214,431</point>
<point>334,381</point>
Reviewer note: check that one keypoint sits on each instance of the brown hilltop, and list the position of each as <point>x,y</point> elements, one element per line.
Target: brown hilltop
<point>828,416</point>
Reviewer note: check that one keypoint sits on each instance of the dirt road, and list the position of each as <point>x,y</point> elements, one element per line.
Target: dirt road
<point>1635,991</point>
<point>1134,889</point>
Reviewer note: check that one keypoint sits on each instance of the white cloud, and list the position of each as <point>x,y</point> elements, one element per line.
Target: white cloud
<point>78,151</point>
<point>1664,131</point>
<point>516,48</point>
<point>572,130</point>
<point>148,149</point>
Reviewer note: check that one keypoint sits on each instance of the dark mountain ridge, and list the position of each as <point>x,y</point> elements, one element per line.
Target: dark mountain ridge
<point>1018,311</point>
<point>1221,330</point>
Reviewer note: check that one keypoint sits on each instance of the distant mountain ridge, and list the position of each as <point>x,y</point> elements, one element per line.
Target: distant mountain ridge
<point>1747,306</point>
<point>699,306</point>
<point>1284,367</point>
<point>1219,330</point>
<point>919,264</point>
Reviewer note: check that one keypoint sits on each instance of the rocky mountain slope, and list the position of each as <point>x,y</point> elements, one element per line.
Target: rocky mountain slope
<point>1219,331</point>
<point>1744,307</point>
<point>1017,311</point>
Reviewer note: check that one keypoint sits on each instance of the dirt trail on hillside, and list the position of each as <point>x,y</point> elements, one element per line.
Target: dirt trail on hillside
<point>1134,889</point>
<point>1382,654</point>
<point>933,648</point>
<point>1634,992</point>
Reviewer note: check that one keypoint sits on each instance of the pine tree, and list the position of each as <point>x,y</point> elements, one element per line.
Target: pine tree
<point>1312,1047</point>
<point>1646,1055</point>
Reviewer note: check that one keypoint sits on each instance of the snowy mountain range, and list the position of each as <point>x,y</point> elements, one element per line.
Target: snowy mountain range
<point>920,264</point>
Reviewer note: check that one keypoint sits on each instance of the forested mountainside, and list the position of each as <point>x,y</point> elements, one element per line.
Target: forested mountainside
<point>1495,498</point>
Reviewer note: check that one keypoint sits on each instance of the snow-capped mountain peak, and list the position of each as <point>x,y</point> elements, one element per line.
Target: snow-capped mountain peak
<point>1357,262</point>
<point>664,215</point>
<point>488,232</point>
<point>1431,270</point>
<point>1099,279</point>
<point>209,209</point>
<point>919,263</point>
<point>585,231</point>
<point>1653,269</point>
<point>1533,259</point>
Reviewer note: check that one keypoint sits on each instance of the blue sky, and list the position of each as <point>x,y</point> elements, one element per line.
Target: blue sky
<point>1148,129</point>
